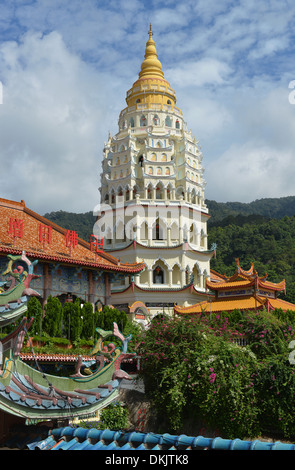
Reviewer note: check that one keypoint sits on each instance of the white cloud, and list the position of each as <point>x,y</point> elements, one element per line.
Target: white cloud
<point>66,67</point>
<point>49,125</point>
<point>199,73</point>
<point>245,173</point>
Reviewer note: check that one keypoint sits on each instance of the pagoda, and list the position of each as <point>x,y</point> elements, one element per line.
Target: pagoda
<point>244,290</point>
<point>152,200</point>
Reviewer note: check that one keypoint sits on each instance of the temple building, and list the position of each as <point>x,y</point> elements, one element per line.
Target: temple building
<point>245,290</point>
<point>152,199</point>
<point>68,267</point>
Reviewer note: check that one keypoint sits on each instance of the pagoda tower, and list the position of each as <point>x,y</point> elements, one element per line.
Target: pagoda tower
<point>152,200</point>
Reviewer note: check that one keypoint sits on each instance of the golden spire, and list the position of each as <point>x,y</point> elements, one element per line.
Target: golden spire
<point>151,65</point>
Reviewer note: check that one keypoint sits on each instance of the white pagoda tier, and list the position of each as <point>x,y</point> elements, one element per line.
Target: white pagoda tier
<point>152,200</point>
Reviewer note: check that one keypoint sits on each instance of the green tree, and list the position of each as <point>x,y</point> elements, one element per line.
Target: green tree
<point>52,322</point>
<point>89,316</point>
<point>109,315</point>
<point>35,311</point>
<point>72,320</point>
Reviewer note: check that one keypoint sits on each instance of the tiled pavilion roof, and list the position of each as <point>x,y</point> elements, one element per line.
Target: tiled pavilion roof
<point>244,290</point>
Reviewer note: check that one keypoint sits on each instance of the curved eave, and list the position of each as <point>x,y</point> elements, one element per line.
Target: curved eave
<point>90,264</point>
<point>141,245</point>
<point>133,286</point>
<point>230,284</point>
<point>222,305</point>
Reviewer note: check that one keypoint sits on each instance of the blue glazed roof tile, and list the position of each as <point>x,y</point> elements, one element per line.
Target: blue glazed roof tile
<point>92,439</point>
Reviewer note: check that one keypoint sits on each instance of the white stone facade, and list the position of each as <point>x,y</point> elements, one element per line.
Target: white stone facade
<point>152,202</point>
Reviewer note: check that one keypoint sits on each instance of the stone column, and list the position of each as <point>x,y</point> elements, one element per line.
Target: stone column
<point>170,277</point>
<point>107,294</point>
<point>90,288</point>
<point>47,282</point>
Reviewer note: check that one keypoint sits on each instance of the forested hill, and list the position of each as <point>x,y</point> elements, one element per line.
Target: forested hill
<point>269,208</point>
<point>81,223</point>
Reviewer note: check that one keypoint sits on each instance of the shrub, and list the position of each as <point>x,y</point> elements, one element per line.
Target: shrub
<point>275,385</point>
<point>192,367</point>
<point>114,416</point>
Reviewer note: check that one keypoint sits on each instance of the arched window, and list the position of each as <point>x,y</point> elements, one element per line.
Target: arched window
<point>150,192</point>
<point>156,120</point>
<point>168,121</point>
<point>158,275</point>
<point>158,231</point>
<point>159,191</point>
<point>177,124</point>
<point>131,122</point>
<point>143,121</point>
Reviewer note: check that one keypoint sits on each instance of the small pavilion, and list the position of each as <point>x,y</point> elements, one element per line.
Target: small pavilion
<point>244,290</point>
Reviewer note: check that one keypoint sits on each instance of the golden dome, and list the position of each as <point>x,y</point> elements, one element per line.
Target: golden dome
<point>151,86</point>
<point>151,65</point>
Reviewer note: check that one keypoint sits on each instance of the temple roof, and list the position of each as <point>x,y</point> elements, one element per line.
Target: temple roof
<point>71,438</point>
<point>22,229</point>
<point>243,279</point>
<point>240,303</point>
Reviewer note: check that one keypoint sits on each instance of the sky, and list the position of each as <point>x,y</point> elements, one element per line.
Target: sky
<point>66,65</point>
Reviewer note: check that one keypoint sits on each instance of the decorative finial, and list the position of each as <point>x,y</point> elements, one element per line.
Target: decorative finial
<point>150,32</point>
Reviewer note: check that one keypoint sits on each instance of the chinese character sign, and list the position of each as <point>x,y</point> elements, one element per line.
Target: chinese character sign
<point>71,238</point>
<point>16,227</point>
<point>45,234</point>
<point>95,243</point>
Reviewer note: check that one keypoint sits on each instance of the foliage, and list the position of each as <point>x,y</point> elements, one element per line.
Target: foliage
<point>195,367</point>
<point>275,384</point>
<point>267,207</point>
<point>52,322</point>
<point>81,223</point>
<point>114,416</point>
<point>134,329</point>
<point>72,320</point>
<point>35,311</point>
<point>270,245</point>
<point>109,315</point>
<point>89,320</point>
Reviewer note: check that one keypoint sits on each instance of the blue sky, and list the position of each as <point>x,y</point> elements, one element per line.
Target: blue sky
<point>66,65</point>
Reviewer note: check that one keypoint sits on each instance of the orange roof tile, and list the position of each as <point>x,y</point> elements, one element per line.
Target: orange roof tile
<point>242,278</point>
<point>240,303</point>
<point>21,229</point>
